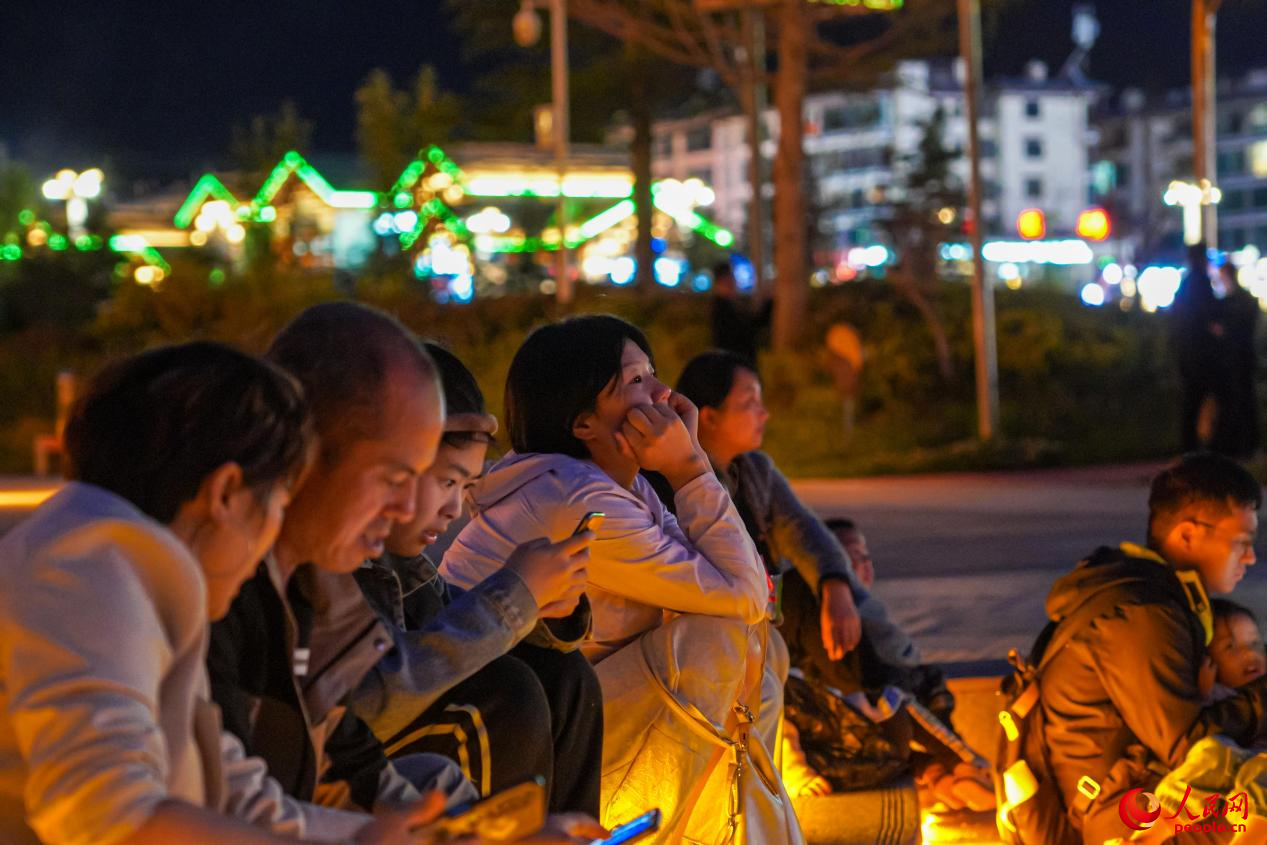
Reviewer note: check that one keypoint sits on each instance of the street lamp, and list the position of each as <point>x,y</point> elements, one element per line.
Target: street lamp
<point>75,189</point>
<point>527,29</point>
<point>1193,199</point>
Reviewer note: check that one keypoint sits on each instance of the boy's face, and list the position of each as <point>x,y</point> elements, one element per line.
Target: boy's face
<point>855,544</point>
<point>441,492</point>
<point>1237,651</point>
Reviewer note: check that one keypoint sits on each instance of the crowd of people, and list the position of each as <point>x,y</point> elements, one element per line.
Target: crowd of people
<point>227,626</point>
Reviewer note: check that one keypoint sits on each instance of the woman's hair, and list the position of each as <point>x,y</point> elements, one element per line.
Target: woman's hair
<point>462,399</point>
<point>558,374</point>
<point>153,426</point>
<point>1228,609</point>
<point>710,376</point>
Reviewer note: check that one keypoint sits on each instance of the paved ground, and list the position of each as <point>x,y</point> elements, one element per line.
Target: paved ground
<point>965,561</point>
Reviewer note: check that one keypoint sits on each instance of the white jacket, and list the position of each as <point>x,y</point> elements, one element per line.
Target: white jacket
<point>644,561</point>
<point>104,705</point>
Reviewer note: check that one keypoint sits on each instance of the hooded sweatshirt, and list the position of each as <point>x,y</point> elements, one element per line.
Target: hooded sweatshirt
<point>1128,678</point>
<point>643,560</point>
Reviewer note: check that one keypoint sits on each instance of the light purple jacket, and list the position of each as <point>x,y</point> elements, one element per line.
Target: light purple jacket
<point>643,562</point>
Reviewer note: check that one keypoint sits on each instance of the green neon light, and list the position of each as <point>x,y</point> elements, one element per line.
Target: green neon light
<point>10,252</point>
<point>216,276</point>
<point>604,220</point>
<point>26,217</point>
<point>138,246</point>
<point>267,214</point>
<point>57,243</point>
<point>294,163</point>
<point>208,186</point>
<point>431,209</point>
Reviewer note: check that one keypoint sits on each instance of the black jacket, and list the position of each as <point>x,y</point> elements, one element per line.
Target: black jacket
<point>280,671</point>
<point>1125,687</point>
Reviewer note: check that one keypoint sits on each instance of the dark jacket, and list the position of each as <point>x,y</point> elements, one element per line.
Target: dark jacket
<point>736,324</point>
<point>442,635</point>
<point>281,663</point>
<point>1123,693</point>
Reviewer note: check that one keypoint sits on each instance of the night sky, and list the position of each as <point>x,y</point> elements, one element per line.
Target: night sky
<point>157,85</point>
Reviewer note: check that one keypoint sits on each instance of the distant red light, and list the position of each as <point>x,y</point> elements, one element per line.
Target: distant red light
<point>1031,224</point>
<point>1093,224</point>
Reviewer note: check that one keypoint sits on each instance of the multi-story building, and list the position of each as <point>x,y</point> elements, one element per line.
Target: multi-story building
<point>1145,144</point>
<point>1035,139</point>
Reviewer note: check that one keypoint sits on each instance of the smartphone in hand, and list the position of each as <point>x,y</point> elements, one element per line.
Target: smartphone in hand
<point>506,816</point>
<point>589,522</point>
<point>645,825</point>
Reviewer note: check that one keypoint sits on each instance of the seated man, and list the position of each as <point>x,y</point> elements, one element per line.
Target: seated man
<point>300,636</point>
<point>449,686</point>
<point>1121,698</point>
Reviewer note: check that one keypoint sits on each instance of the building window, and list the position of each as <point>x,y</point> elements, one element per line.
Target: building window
<point>1231,122</point>
<point>1260,200</point>
<point>663,146</point>
<point>1231,163</point>
<point>1033,147</point>
<point>862,114</point>
<point>1233,237</point>
<point>1257,159</point>
<point>1233,200</point>
<point>1033,188</point>
<point>705,176</point>
<point>989,149</point>
<point>1033,108</point>
<point>699,139</point>
<point>1258,117</point>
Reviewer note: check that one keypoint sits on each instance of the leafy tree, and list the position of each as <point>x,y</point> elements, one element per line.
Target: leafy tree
<point>258,146</point>
<point>393,125</point>
<point>926,208</point>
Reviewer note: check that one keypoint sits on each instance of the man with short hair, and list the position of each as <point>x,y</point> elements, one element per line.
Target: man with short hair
<point>1121,701</point>
<point>300,635</point>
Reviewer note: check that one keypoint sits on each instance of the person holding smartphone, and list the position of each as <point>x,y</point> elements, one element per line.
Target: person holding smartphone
<point>459,681</point>
<point>685,598</point>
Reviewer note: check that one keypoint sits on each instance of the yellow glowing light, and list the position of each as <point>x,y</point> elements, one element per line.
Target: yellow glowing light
<point>235,234</point>
<point>37,237</point>
<point>946,216</point>
<point>454,194</point>
<point>25,498</point>
<point>146,275</point>
<point>1015,283</point>
<point>198,238</point>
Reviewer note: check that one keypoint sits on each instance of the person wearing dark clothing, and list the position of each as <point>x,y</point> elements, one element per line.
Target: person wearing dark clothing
<point>1121,701</point>
<point>736,323</point>
<point>1197,338</point>
<point>300,637</point>
<point>1236,432</point>
<point>449,687</point>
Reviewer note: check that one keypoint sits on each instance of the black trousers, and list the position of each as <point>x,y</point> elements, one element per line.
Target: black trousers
<point>533,712</point>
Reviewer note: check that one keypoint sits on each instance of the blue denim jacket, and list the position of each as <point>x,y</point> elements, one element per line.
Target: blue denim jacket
<point>442,635</point>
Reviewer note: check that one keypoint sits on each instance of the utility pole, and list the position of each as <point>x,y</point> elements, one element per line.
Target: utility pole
<point>1204,114</point>
<point>987,369</point>
<point>753,96</point>
<point>559,87</point>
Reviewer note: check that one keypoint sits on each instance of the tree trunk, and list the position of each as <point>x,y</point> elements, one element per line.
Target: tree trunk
<point>909,288</point>
<point>791,277</point>
<point>640,113</point>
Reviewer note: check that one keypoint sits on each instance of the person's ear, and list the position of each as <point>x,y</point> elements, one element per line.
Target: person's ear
<point>221,491</point>
<point>584,427</point>
<point>1184,534</point>
<point>707,418</point>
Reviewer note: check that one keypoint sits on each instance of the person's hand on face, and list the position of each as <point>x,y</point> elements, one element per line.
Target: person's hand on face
<point>555,573</point>
<point>838,617</point>
<point>658,437</point>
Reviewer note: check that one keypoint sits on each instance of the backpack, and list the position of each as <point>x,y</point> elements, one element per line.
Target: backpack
<point>1031,810</point>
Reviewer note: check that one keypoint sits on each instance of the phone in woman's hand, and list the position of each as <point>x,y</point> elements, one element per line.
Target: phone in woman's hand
<point>589,522</point>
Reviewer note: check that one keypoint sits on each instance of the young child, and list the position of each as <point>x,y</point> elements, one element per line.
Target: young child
<point>1235,655</point>
<point>1215,765</point>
